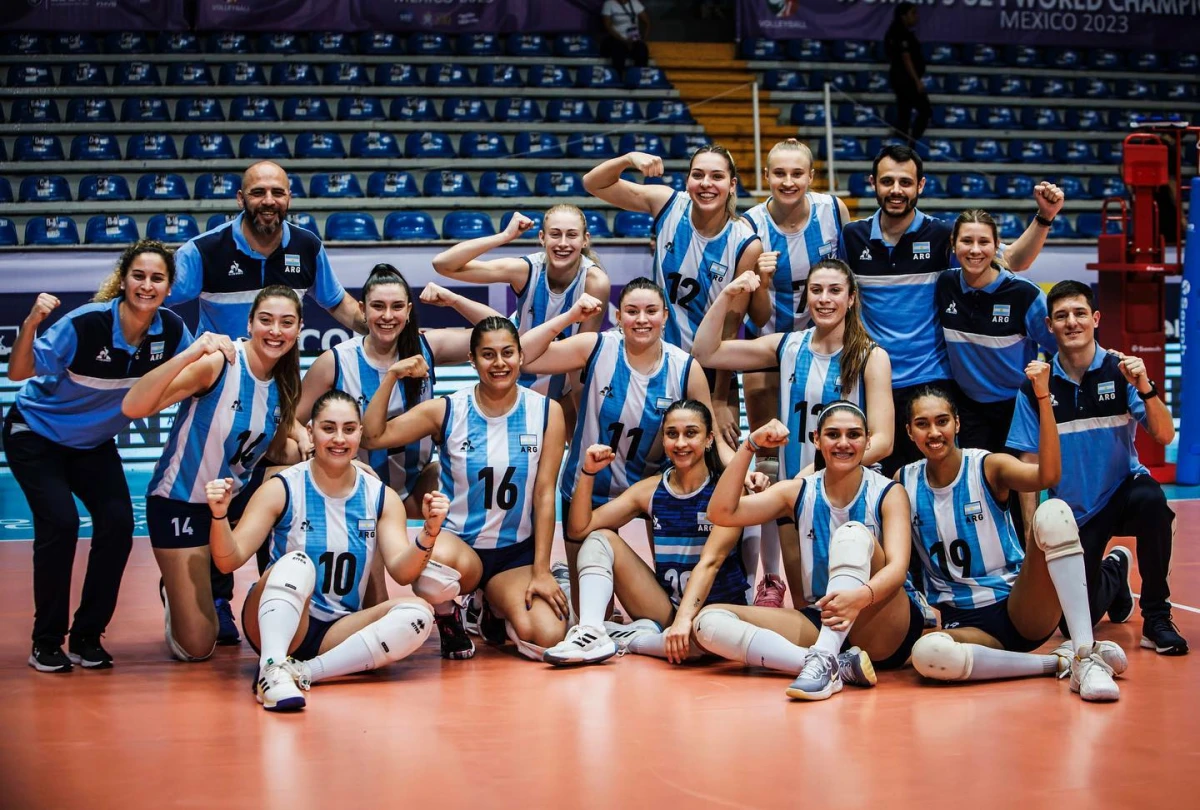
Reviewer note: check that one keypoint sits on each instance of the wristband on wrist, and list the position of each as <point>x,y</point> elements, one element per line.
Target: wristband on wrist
<point>221,517</point>
<point>1041,220</point>
<point>585,472</point>
<point>750,443</point>
<point>1149,395</point>
<point>872,590</point>
<point>417,542</point>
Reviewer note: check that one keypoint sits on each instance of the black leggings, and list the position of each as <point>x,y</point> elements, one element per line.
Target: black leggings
<point>49,473</point>
<point>908,99</point>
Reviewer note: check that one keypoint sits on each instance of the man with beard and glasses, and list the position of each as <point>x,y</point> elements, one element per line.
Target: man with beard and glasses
<point>227,267</point>
<point>897,255</point>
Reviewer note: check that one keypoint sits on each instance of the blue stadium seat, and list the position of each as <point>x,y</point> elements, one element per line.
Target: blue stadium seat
<point>646,78</point>
<point>448,75</point>
<point>843,81</point>
<point>1183,61</point>
<point>517,110</point>
<point>447,183</point>
<point>1178,90</point>
<point>57,230</point>
<point>338,185</point>
<point>428,145</point>
<point>380,145</point>
<point>83,74</point>
<point>392,184</point>
<point>1007,85</point>
<point>409,226</point>
<point>228,42</point>
<point>498,75</point>
<point>253,108</point>
<point>1093,87</point>
<point>351,226</point>
<point>808,115</point>
<point>482,145</point>
<point>1091,224</point>
<point>1136,89</point>
<point>938,150</point>
<point>397,75</point>
<point>981,55</point>
<point>1014,186</point>
<point>110,229</point>
<point>678,181</point>
<point>934,189</point>
<point>44,188</point>
<point>380,43</point>
<point>619,111</point>
<point>178,42</point>
<point>465,110</point>
<point>318,145</point>
<point>37,147</point>
<point>360,108</point>
<point>161,187</point>
<point>136,74</point>
<point>669,112</point>
<point>172,227</point>
<point>1085,119</point>
<point>1110,151</point>
<point>597,224</point>
<point>282,43</point>
<point>241,74</point>
<point>306,108</point>
<point>1009,226</point>
<point>74,44</point>
<point>860,185</point>
<point>261,146</point>
<point>807,50</point>
<point>144,111</point>
<point>785,80</point>
<point>344,74</point>
<point>6,195</point>
<point>1051,87</point>
<point>541,145</point>
<point>192,109</point>
<point>189,75</point>
<point>207,146</point>
<point>598,77</point>
<point>90,111</point>
<point>217,186</point>
<point>8,233</point>
<point>683,146</point>
<point>763,49</point>
<point>536,216</point>
<point>293,74</point>
<point>569,111</point>
<point>480,44</point>
<point>996,117</point>
<point>1061,229</point>
<point>1123,118</point>
<point>984,150</point>
<point>430,44</point>
<point>104,188</point>
<point>576,46</point>
<point>35,111</point>
<point>23,44</point>
<point>1029,150</point>
<point>413,108</point>
<point>1145,61</point>
<point>1064,58</point>
<point>632,225</point>
<point>952,116</point>
<point>852,50</point>
<point>467,225</point>
<point>1072,150</point>
<point>1106,59</point>
<point>856,115</point>
<point>1072,187</point>
<point>590,146</point>
<point>528,45</point>
<point>503,184</point>
<point>559,184</point>
<point>296,187</point>
<point>548,76</point>
<point>1037,117</point>
<point>331,42</point>
<point>30,75</point>
<point>969,184</point>
<point>642,142</point>
<point>848,148</point>
<point>940,53</point>
<point>873,81</point>
<point>217,220</point>
<point>1026,56</point>
<point>966,84</point>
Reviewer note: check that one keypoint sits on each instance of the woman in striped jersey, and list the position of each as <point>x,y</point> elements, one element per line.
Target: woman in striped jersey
<point>326,522</point>
<point>500,446</point>
<point>998,601</point>
<point>695,563</point>
<point>834,359</point>
<point>233,397</point>
<point>850,570</point>
<point>357,366</point>
<point>546,283</point>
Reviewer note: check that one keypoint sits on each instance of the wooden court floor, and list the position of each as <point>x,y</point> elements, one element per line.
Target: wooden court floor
<point>499,731</point>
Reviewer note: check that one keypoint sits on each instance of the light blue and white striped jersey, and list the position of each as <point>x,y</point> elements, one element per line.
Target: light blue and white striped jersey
<point>965,539</point>
<point>624,409</point>
<point>220,433</point>
<point>817,520</point>
<point>360,378</point>
<point>808,381</point>
<point>338,535</point>
<point>820,239</point>
<point>489,467</point>
<point>537,304</point>
<point>693,269</point>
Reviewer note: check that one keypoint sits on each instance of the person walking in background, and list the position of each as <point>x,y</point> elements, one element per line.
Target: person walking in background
<point>906,67</point>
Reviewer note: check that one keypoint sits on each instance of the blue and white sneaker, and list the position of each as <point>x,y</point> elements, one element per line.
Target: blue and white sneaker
<point>819,679</point>
<point>278,687</point>
<point>583,645</point>
<point>856,669</point>
<point>624,634</point>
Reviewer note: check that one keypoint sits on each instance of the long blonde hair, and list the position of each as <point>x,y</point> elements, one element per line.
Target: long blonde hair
<point>717,149</point>
<point>110,288</point>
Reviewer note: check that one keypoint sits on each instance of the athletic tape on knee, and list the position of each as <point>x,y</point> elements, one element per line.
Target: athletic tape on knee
<point>1055,530</point>
<point>595,556</point>
<point>939,656</point>
<point>722,633</point>
<point>850,552</point>
<point>526,648</point>
<point>768,467</point>
<point>399,634</point>
<point>291,580</point>
<point>437,584</point>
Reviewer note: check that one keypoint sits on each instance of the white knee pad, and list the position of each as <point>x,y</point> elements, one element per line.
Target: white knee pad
<point>1055,530</point>
<point>291,580</point>
<point>595,556</point>
<point>437,584</point>
<point>850,552</point>
<point>722,633</point>
<point>768,467</point>
<point>939,656</point>
<point>399,634</point>
<point>526,648</point>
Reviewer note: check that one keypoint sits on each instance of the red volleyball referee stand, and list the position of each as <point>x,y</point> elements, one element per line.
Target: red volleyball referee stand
<point>1133,263</point>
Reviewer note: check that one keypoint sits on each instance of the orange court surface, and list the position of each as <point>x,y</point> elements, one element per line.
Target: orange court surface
<point>500,731</point>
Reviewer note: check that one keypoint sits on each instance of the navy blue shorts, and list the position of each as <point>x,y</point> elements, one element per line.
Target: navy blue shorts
<point>916,626</point>
<point>310,645</point>
<point>183,524</point>
<point>993,620</point>
<point>498,560</point>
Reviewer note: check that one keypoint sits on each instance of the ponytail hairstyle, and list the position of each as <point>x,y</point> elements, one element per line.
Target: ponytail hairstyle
<point>792,145</point>
<point>711,458</point>
<point>923,391</point>
<point>978,215</point>
<point>717,149</point>
<point>110,288</point>
<point>408,343</point>
<point>493,323</point>
<point>642,283</point>
<point>856,343</point>
<point>565,208</point>
<point>331,396</point>
<point>286,373</point>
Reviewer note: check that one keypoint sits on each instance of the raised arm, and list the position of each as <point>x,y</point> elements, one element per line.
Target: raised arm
<point>1021,253</point>
<point>349,314</point>
<point>598,286</point>
<point>730,507</point>
<point>881,409</point>
<point>319,378</point>
<point>758,307</point>
<point>712,350</point>
<point>462,263</point>
<point>605,182</point>
<point>1159,423</point>
<point>415,424</point>
<point>405,559</point>
<point>453,345</point>
<point>21,362</point>
<point>1005,472</point>
<point>582,520</point>
<point>191,371</point>
<point>541,353</point>
<point>231,547</point>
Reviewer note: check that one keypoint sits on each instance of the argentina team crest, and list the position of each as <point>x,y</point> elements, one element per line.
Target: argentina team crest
<point>529,442</point>
<point>717,270</point>
<point>921,250</point>
<point>703,524</point>
<point>366,529</point>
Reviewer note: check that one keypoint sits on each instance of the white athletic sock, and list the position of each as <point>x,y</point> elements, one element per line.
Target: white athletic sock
<point>1070,582</point>
<point>828,639</point>
<point>751,550</point>
<point>722,633</point>
<point>289,583</point>
<point>397,634</point>
<point>595,592</point>
<point>769,549</point>
<point>989,664</point>
<point>352,655</point>
<point>649,644</point>
<point>771,650</point>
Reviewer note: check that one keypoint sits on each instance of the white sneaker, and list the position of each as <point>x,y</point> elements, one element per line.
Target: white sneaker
<point>623,634</point>
<point>820,678</point>
<point>1109,651</point>
<point>1092,678</point>
<point>279,685</point>
<point>583,645</point>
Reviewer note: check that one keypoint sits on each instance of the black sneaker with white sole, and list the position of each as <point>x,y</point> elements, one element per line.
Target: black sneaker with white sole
<point>456,644</point>
<point>49,659</point>
<point>87,653</point>
<point>491,627</point>
<point>1121,607</point>
<point>1160,634</point>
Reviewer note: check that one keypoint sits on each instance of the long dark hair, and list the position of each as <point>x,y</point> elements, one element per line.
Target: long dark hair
<point>935,391</point>
<point>642,283</point>
<point>493,323</point>
<point>711,458</point>
<point>856,343</point>
<point>286,373</point>
<point>110,288</point>
<point>408,343</point>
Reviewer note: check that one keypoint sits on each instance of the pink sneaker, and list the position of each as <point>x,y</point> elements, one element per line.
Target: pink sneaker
<point>770,592</point>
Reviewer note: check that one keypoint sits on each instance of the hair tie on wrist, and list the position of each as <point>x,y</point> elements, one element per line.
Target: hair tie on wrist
<point>585,472</point>
<point>417,543</point>
<point>752,445</point>
<point>221,517</point>
<point>872,590</point>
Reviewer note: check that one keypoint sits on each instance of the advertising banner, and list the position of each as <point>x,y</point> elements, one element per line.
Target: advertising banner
<point>93,16</point>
